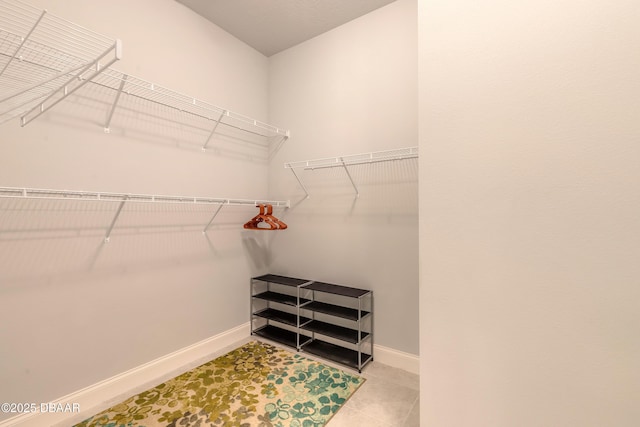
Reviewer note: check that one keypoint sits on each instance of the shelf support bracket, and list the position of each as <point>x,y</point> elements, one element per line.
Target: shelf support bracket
<point>212,218</point>
<point>279,144</point>
<point>64,91</point>
<point>204,147</point>
<point>115,218</point>
<point>115,104</point>
<point>299,181</point>
<point>42,82</point>
<point>344,165</point>
<point>24,40</point>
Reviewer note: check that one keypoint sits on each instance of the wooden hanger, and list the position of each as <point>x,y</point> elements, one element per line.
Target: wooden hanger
<point>267,218</point>
<point>281,225</point>
<point>253,224</point>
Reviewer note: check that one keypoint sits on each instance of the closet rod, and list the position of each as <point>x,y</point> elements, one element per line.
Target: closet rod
<point>48,194</point>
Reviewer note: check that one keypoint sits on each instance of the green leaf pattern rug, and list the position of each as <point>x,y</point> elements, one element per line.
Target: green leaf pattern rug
<point>255,385</point>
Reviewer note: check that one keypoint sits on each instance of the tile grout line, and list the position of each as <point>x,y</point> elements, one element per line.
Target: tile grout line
<point>415,402</point>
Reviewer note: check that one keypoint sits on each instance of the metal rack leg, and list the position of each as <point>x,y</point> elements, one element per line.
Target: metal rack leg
<point>251,306</point>
<point>359,334</point>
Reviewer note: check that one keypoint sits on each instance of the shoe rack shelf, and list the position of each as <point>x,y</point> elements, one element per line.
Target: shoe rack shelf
<point>334,322</point>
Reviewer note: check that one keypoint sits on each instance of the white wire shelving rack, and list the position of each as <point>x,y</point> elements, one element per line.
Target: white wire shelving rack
<point>128,86</point>
<point>123,198</point>
<point>44,59</point>
<point>351,160</point>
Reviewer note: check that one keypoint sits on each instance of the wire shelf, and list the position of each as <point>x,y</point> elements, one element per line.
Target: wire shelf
<point>48,194</point>
<point>351,160</point>
<point>44,58</point>
<point>122,198</point>
<point>356,159</point>
<point>146,96</point>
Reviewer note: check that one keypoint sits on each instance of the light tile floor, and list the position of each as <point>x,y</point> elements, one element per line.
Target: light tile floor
<point>390,397</point>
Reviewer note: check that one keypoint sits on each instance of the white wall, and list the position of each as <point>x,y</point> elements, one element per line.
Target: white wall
<point>74,310</point>
<point>529,206</point>
<point>349,91</point>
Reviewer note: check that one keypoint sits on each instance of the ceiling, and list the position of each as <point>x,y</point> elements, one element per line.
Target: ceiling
<point>271,26</point>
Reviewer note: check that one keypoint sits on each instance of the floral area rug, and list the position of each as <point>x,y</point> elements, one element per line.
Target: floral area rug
<point>255,385</point>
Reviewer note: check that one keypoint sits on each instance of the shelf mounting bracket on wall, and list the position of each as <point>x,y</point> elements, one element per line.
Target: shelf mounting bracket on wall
<point>304,188</point>
<point>355,159</point>
<point>212,218</point>
<point>344,165</point>
<point>279,143</point>
<point>115,104</point>
<point>34,86</point>
<point>115,218</point>
<point>213,131</point>
<point>74,83</point>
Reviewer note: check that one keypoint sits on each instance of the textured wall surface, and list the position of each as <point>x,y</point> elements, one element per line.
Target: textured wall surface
<point>349,91</point>
<point>74,310</point>
<point>528,213</point>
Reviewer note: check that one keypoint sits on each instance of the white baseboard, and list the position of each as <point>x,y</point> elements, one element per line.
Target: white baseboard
<point>395,358</point>
<point>97,394</point>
